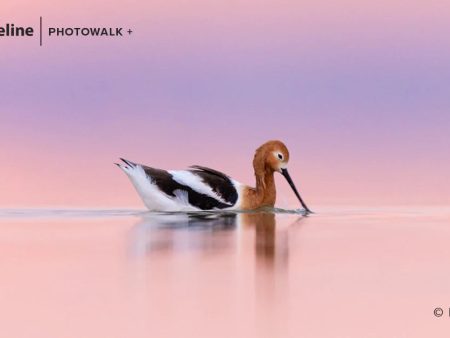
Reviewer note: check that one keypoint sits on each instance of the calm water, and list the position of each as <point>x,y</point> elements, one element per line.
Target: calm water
<point>339,273</point>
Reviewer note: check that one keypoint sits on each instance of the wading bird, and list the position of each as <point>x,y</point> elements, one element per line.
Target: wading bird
<point>201,188</point>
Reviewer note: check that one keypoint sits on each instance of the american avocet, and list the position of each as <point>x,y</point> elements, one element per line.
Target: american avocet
<point>201,188</point>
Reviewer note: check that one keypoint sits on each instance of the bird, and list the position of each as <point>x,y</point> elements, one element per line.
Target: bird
<point>201,188</point>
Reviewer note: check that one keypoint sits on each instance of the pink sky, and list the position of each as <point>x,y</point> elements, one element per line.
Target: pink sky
<point>357,90</point>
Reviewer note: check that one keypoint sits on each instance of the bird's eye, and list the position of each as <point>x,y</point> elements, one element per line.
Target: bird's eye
<point>280,156</point>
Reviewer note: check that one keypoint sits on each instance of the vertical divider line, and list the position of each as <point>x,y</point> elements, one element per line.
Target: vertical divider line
<point>40,31</point>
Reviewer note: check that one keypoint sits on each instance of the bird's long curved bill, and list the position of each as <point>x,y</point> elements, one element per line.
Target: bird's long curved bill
<point>288,178</point>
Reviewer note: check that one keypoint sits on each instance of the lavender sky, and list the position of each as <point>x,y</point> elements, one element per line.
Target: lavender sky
<point>358,90</point>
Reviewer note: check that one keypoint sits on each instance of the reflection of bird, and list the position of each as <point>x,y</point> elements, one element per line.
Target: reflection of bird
<point>264,224</point>
<point>156,232</point>
<point>271,243</point>
<point>201,188</point>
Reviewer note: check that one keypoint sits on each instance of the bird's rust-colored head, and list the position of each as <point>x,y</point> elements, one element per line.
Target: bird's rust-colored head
<point>273,156</point>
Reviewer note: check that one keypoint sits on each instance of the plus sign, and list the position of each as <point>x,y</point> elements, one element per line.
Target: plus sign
<point>129,31</point>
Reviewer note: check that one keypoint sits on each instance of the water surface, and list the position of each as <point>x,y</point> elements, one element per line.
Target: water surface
<point>343,272</point>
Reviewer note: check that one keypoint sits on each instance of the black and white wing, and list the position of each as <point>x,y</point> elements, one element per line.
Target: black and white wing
<point>198,188</point>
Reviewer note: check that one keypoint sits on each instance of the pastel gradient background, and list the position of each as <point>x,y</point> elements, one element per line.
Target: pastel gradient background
<point>358,90</point>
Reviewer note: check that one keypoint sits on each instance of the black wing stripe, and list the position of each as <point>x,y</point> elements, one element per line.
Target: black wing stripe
<point>219,182</point>
<point>211,171</point>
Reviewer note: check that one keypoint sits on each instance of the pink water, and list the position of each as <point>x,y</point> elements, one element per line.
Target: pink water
<point>342,272</point>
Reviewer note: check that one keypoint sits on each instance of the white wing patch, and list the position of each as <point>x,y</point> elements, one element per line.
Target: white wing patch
<point>196,183</point>
<point>182,197</point>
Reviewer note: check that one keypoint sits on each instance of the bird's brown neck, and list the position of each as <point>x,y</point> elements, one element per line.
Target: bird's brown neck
<point>266,191</point>
<point>264,194</point>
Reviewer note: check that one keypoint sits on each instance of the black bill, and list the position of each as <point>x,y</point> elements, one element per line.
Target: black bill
<point>288,178</point>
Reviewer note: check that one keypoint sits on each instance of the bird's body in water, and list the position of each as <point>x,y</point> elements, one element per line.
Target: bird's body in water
<point>201,188</point>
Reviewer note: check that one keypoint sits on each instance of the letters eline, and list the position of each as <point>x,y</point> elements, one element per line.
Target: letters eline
<point>10,30</point>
